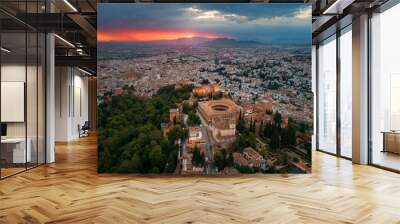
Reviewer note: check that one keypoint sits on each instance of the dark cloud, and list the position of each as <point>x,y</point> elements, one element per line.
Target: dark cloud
<point>242,20</point>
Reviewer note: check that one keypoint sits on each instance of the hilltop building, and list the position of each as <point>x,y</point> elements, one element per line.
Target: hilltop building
<point>221,117</point>
<point>254,159</point>
<point>196,140</point>
<point>183,83</point>
<point>206,90</point>
<point>239,159</point>
<point>175,115</point>
<point>250,158</point>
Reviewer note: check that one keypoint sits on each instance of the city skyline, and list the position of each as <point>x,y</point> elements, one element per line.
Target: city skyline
<point>267,23</point>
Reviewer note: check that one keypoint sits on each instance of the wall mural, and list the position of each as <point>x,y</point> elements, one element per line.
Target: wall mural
<point>205,89</point>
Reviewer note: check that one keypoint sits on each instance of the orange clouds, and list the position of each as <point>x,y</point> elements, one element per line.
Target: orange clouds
<point>150,35</point>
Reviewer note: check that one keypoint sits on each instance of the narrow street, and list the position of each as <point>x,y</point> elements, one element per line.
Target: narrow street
<point>178,168</point>
<point>210,168</point>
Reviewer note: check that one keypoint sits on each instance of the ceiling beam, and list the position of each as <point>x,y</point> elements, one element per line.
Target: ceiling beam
<point>86,26</point>
<point>77,61</point>
<point>49,22</point>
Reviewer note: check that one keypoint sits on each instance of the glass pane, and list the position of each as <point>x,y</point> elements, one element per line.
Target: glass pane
<point>385,92</point>
<point>346,93</point>
<point>13,86</point>
<point>327,96</point>
<point>41,99</point>
<point>23,90</point>
<point>31,98</point>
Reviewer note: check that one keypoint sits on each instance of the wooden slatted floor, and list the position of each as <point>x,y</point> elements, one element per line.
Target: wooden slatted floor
<point>70,191</point>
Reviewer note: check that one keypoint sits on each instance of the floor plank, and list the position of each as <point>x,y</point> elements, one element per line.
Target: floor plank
<point>71,191</point>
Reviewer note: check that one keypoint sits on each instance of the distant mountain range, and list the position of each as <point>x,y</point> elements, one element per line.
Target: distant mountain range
<point>226,42</point>
<point>197,41</point>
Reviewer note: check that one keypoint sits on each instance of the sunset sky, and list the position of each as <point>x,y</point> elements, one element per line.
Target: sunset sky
<point>268,23</point>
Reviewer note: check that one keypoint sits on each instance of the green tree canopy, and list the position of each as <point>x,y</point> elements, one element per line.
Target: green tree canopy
<point>241,126</point>
<point>193,118</point>
<point>129,135</point>
<point>198,158</point>
<point>277,119</point>
<point>275,140</point>
<point>222,159</point>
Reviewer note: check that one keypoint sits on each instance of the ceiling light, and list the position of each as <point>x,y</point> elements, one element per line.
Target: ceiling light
<point>79,51</point>
<point>84,71</point>
<point>337,7</point>
<point>333,6</point>
<point>64,40</point>
<point>70,5</point>
<point>5,50</point>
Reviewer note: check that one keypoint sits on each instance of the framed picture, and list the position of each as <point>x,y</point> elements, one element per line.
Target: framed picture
<point>204,89</point>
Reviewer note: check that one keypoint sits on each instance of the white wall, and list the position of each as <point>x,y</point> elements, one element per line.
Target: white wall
<point>13,72</point>
<point>16,73</point>
<point>33,126</point>
<point>71,102</point>
<point>81,104</point>
<point>10,73</point>
<point>62,82</point>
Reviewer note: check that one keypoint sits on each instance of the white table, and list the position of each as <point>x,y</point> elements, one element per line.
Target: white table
<point>19,153</point>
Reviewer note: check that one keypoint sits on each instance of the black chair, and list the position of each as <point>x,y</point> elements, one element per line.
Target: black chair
<point>84,130</point>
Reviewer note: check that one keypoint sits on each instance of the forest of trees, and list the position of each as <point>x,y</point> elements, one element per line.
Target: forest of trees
<point>129,134</point>
<point>272,133</point>
<point>191,111</point>
<point>277,136</point>
<point>280,137</point>
<point>222,159</point>
<point>130,138</point>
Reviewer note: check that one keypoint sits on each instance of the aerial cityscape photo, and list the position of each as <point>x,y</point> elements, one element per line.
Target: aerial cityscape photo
<point>204,89</point>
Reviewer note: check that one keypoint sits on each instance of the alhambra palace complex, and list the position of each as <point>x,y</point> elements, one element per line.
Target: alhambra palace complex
<point>221,117</point>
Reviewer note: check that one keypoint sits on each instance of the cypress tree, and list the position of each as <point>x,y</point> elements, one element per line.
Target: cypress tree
<point>277,119</point>
<point>275,141</point>
<point>261,133</point>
